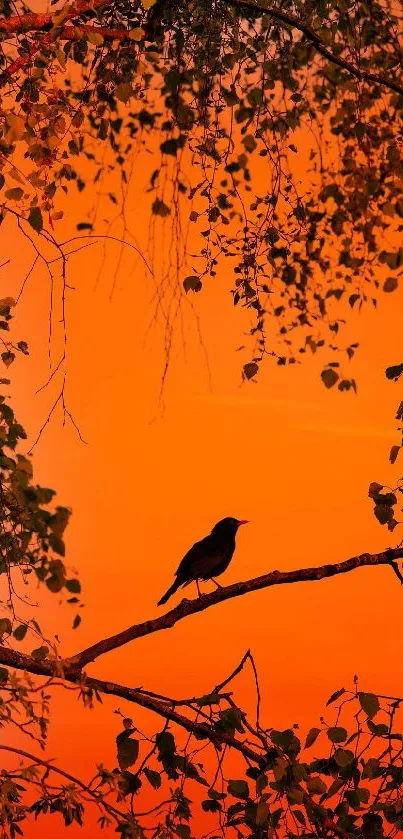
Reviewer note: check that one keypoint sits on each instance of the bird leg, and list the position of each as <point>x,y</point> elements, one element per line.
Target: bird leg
<point>215,582</point>
<point>198,589</point>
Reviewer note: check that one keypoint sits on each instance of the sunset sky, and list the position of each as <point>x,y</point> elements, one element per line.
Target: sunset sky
<point>293,458</point>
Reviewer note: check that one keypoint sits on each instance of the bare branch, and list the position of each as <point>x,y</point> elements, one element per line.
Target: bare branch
<point>191,607</point>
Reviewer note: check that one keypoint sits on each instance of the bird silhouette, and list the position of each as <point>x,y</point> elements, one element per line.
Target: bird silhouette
<point>208,558</point>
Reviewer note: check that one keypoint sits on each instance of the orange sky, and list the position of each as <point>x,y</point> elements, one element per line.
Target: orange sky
<point>291,457</point>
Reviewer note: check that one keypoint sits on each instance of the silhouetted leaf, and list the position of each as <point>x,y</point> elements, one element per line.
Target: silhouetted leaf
<point>369,703</point>
<point>128,749</point>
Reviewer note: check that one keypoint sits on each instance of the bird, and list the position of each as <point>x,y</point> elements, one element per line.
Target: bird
<point>208,558</point>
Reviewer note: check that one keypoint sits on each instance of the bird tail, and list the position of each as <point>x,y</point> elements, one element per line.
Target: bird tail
<point>174,587</point>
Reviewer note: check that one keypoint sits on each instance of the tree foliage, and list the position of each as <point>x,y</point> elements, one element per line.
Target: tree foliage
<point>276,132</point>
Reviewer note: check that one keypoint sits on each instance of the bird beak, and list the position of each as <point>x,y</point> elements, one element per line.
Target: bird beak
<point>243,521</point>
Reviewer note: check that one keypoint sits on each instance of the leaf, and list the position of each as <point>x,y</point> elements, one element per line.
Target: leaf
<point>249,143</point>
<point>5,627</point>
<point>40,653</point>
<point>15,127</point>
<point>8,357</point>
<point>35,219</point>
<point>95,38</point>
<point>343,757</point>
<point>312,736</point>
<point>73,586</point>
<point>334,696</point>
<point>394,372</point>
<point>379,730</point>
<point>394,453</point>
<point>123,92</point>
<point>372,768</point>
<point>128,749</point>
<point>6,303</point>
<point>20,632</point>
<point>299,817</point>
<point>209,699</point>
<point>239,789</point>
<point>374,489</point>
<point>250,370</point>
<point>76,621</point>
<point>384,513</point>
<point>329,377</point>
<point>369,703</point>
<point>337,734</point>
<point>158,208</point>
<point>84,225</point>
<point>390,284</point>
<point>192,284</point>
<point>316,786</point>
<point>153,777</point>
<point>3,675</point>
<point>14,194</point>
<point>262,812</point>
<point>136,34</point>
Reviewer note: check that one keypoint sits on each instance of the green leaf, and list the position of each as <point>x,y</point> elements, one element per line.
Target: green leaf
<point>128,749</point>
<point>153,777</point>
<point>20,632</point>
<point>239,789</point>
<point>337,734</point>
<point>394,372</point>
<point>329,377</point>
<point>250,370</point>
<point>192,284</point>
<point>369,703</point>
<point>312,735</point>
<point>35,219</point>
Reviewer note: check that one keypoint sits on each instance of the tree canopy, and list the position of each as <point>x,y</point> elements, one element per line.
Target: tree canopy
<point>275,134</point>
<point>275,141</point>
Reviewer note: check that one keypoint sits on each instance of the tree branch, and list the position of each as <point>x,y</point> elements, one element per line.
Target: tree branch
<point>295,23</point>
<point>191,607</point>
<point>99,798</point>
<point>41,22</point>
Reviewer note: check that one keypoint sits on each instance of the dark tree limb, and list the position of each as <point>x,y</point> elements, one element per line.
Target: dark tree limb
<point>191,607</point>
